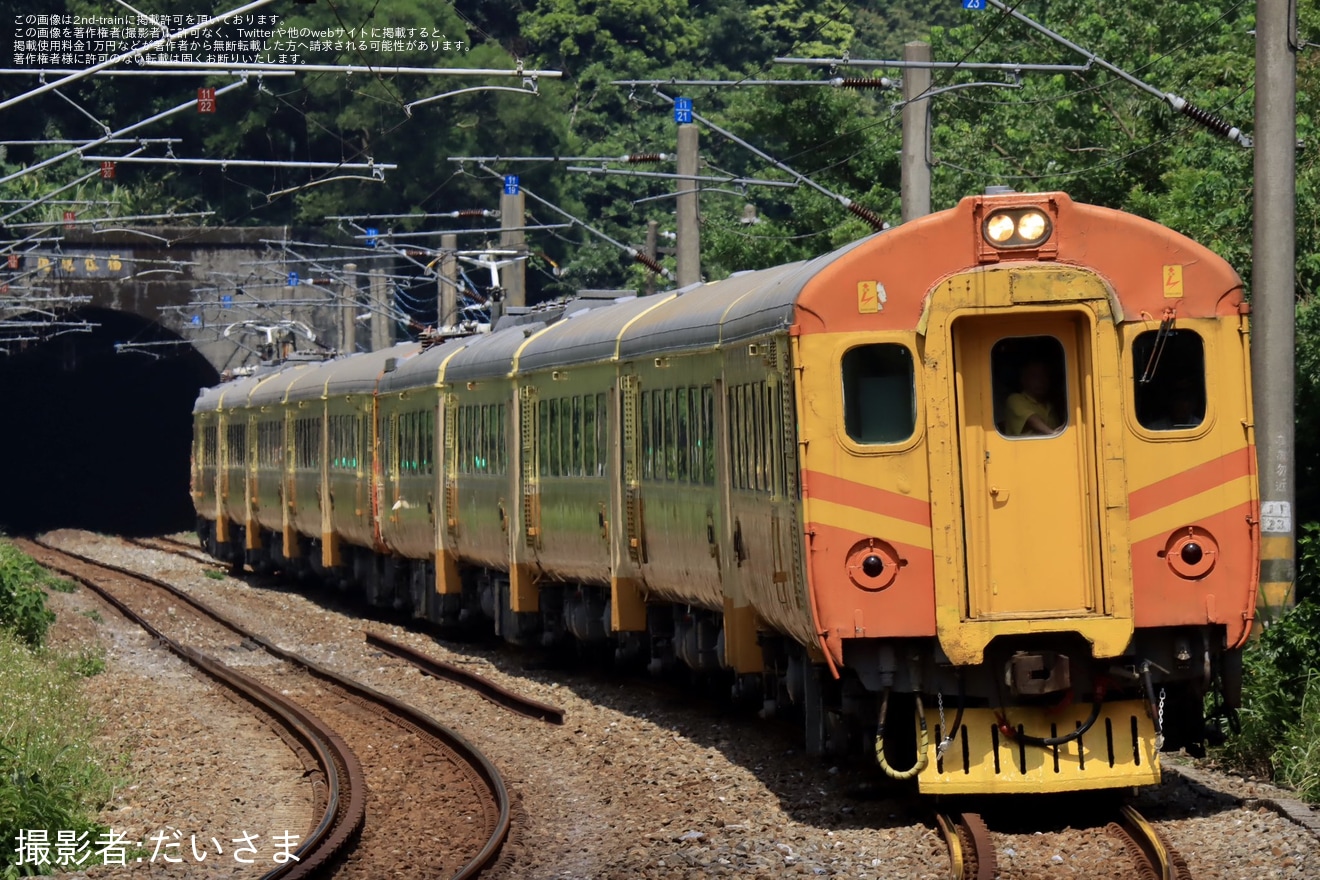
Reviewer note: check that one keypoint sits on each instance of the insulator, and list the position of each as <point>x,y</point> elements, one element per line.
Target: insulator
<point>470,212</point>
<point>644,158</point>
<point>865,82</point>
<point>1207,119</point>
<point>868,215</point>
<point>649,262</point>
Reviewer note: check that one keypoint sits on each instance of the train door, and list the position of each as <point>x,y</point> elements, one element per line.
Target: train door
<point>1026,430</point>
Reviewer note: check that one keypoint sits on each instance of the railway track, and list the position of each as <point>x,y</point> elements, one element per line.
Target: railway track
<point>444,774</point>
<point>972,853</point>
<point>489,690</point>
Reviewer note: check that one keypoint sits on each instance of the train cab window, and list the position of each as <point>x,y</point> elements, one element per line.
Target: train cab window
<point>1029,377</point>
<point>1168,379</point>
<point>879,393</point>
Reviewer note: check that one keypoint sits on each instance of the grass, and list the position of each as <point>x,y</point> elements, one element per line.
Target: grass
<point>1279,737</point>
<point>23,609</point>
<point>51,777</point>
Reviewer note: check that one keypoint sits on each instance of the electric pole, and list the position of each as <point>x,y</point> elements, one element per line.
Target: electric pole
<point>447,279</point>
<point>915,185</point>
<point>348,325</point>
<point>514,278</point>
<point>1273,300</point>
<point>382,324</point>
<point>688,220</point>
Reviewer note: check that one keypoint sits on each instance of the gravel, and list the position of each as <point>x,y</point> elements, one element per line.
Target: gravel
<point>641,781</point>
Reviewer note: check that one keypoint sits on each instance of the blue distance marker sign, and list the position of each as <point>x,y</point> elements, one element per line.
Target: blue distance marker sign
<point>226,301</point>
<point>372,232</point>
<point>196,320</point>
<point>683,107</point>
<point>973,4</point>
<point>293,279</point>
<point>511,186</point>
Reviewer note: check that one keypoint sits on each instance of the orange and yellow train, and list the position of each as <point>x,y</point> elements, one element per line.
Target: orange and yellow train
<point>976,494</point>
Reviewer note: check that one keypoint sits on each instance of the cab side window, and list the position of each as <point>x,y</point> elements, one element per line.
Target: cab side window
<point>1168,378</point>
<point>879,393</point>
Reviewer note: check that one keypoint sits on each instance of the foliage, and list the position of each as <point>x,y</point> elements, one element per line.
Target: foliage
<point>1307,408</point>
<point>23,609</point>
<point>1280,715</point>
<point>51,777</point>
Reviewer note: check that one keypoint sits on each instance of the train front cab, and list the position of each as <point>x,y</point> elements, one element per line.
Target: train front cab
<point>1029,586</point>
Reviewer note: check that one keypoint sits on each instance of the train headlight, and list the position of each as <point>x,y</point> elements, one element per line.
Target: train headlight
<point>1017,228</point>
<point>873,564</point>
<point>1000,228</point>
<point>1032,226</point>
<point>1191,552</point>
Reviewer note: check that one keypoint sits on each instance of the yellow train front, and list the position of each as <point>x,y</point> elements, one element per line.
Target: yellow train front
<point>1029,490</point>
<point>975,495</point>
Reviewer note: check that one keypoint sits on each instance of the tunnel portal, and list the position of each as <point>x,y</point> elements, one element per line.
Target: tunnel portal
<point>96,437</point>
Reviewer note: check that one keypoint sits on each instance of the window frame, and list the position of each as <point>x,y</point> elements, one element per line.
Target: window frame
<point>919,415</point>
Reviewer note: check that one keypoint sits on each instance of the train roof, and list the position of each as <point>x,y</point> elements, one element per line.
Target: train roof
<point>235,392</point>
<point>744,304</point>
<point>423,371</point>
<point>490,356</point>
<point>355,374</point>
<point>361,373</point>
<point>586,334</point>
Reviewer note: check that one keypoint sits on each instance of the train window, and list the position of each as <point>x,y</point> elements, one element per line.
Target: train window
<point>698,441</point>
<point>488,433</point>
<point>1029,377</point>
<point>566,436</point>
<point>644,436</point>
<point>743,453</point>
<point>578,428</point>
<point>589,434</point>
<point>657,434</point>
<point>208,445</point>
<point>554,436</point>
<point>601,434</point>
<point>462,440</point>
<point>681,435</point>
<point>879,393</point>
<point>1169,379</point>
<point>361,434</point>
<point>708,435</point>
<point>543,437</point>
<point>668,466</point>
<point>762,438</point>
<point>404,442</point>
<point>773,465</point>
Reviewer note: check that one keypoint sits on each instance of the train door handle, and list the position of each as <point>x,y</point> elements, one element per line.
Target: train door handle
<point>1000,495</point>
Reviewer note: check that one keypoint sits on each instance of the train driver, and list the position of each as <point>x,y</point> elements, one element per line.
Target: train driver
<point>1030,411</point>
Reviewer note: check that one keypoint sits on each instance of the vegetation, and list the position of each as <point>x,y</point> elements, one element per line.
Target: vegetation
<point>1280,716</point>
<point>51,777</point>
<point>23,610</point>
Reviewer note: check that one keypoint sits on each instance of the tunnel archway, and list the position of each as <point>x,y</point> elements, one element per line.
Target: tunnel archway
<point>98,438</point>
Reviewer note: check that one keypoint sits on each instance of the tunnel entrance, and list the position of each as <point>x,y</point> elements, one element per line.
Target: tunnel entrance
<point>95,438</point>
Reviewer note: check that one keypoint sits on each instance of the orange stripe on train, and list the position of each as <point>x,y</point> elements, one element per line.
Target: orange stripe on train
<point>1193,481</point>
<point>850,493</point>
